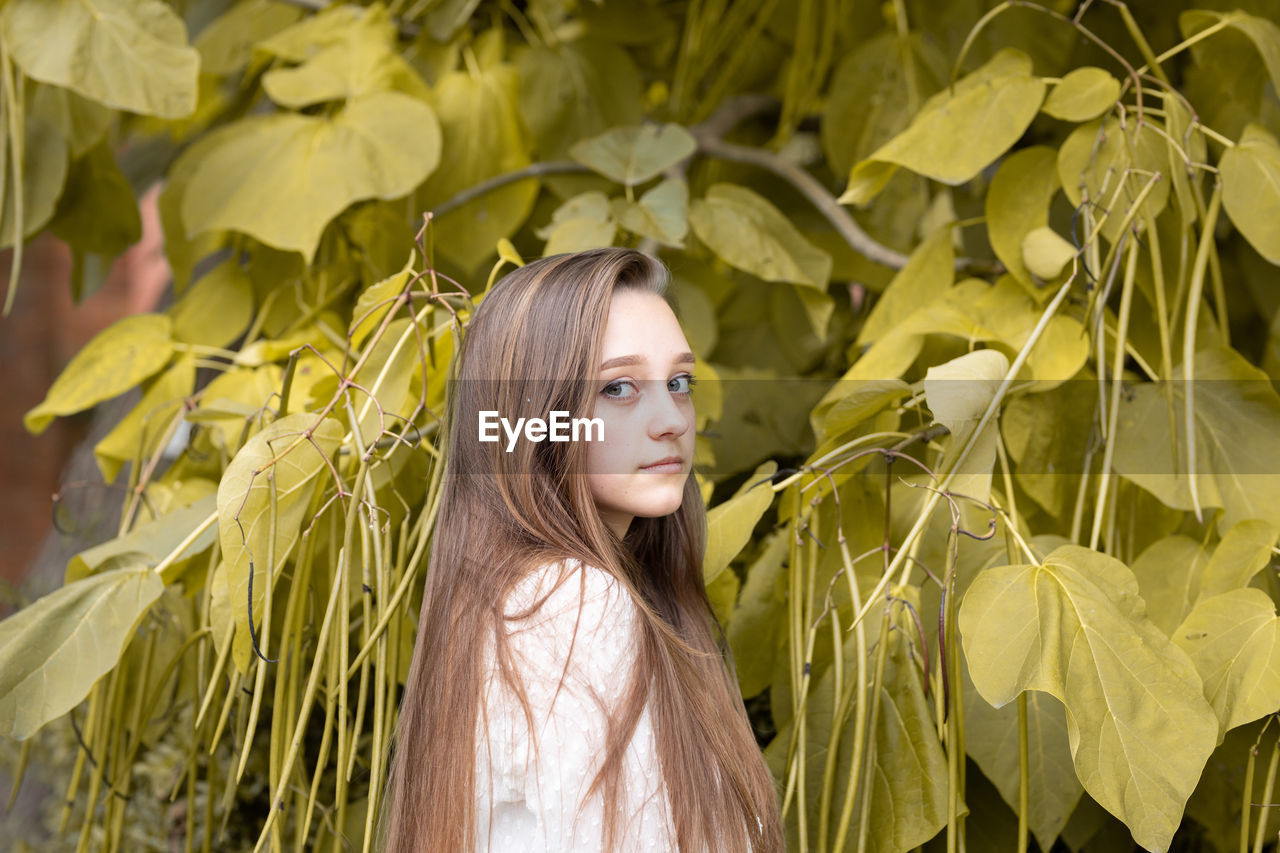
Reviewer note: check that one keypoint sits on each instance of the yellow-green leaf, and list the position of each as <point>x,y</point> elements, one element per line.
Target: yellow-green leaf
<point>747,231</point>
<point>1169,571</point>
<point>634,154</point>
<point>1083,94</point>
<point>722,593</point>
<point>991,740</point>
<point>1234,640</point>
<point>362,61</point>
<point>959,131</point>
<point>216,309</point>
<point>232,401</point>
<point>53,651</point>
<point>576,89</point>
<point>279,457</point>
<point>870,97</point>
<point>1264,34</point>
<point>397,381</point>
<point>183,252</point>
<point>661,213</point>
<point>321,78</point>
<point>226,45</point>
<point>758,618</point>
<point>908,788</point>
<point>446,16</point>
<point>128,54</point>
<point>1044,253</point>
<point>139,433</point>
<point>576,235</point>
<point>697,315</point>
<point>908,784</point>
<point>929,272</point>
<point>373,304</point>
<point>861,401</point>
<point>593,205</point>
<point>582,222</point>
<point>1244,551</point>
<point>97,211</point>
<point>975,310</point>
<point>1186,144</point>
<point>1237,429</point>
<point>315,32</point>
<point>80,121</point>
<point>729,524</point>
<point>44,171</point>
<point>508,253</point>
<point>1251,189</point>
<point>118,358</point>
<point>281,178</point>
<point>482,138</point>
<point>1074,627</point>
<point>1018,203</point>
<point>1111,165</point>
<point>958,393</point>
<point>151,542</point>
<point>1047,436</point>
<point>221,618</point>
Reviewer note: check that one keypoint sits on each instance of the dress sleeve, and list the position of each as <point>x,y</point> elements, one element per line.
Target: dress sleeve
<point>539,782</point>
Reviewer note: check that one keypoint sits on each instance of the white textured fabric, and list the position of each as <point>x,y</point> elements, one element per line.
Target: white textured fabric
<point>533,794</point>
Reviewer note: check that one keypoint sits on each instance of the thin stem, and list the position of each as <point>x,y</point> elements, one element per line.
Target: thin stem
<point>931,501</point>
<point>1246,816</point>
<point>1117,372</point>
<point>338,591</point>
<point>1267,790</point>
<point>1024,775</point>
<point>1183,45</point>
<point>864,823</point>
<point>860,709</point>
<point>1189,339</point>
<point>13,101</point>
<point>1135,32</point>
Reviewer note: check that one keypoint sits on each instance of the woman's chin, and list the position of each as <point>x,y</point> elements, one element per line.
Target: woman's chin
<point>660,503</point>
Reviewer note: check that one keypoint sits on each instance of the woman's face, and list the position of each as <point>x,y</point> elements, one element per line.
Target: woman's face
<point>643,399</point>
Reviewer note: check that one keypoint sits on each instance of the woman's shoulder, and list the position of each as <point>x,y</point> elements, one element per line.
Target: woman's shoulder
<point>557,586</point>
<point>570,613</point>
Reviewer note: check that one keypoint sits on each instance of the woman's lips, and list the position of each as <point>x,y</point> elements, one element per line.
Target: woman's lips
<point>670,465</point>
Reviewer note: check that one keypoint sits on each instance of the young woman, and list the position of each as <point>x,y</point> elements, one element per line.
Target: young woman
<point>567,692</point>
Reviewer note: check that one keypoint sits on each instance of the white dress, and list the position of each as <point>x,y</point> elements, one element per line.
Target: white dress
<point>533,795</point>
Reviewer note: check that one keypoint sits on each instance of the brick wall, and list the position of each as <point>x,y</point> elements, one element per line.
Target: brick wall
<point>45,329</point>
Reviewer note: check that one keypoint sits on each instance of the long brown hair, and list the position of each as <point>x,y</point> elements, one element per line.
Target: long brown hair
<point>533,346</point>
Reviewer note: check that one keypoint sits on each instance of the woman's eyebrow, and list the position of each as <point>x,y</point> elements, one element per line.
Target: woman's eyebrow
<point>631,360</point>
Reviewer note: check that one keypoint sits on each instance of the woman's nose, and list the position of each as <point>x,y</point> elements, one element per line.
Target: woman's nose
<point>671,416</point>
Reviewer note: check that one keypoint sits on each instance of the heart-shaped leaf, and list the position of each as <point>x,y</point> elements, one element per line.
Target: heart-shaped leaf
<point>1074,627</point>
<point>747,231</point>
<point>53,651</point>
<point>128,54</point>
<point>633,155</point>
<point>282,178</point>
<point>959,131</point>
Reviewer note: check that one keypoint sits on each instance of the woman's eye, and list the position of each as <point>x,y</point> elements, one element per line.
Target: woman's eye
<point>619,390</point>
<point>681,384</point>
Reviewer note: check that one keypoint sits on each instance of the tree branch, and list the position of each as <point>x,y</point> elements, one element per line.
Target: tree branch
<point>811,189</point>
<point>709,135</point>
<point>533,170</point>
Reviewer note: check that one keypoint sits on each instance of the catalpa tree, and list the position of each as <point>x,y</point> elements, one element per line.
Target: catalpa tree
<point>984,301</point>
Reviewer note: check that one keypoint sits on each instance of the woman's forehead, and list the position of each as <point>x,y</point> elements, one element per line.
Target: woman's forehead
<point>642,324</point>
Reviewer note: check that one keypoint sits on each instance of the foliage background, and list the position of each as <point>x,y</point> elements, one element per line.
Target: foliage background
<point>943,333</point>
